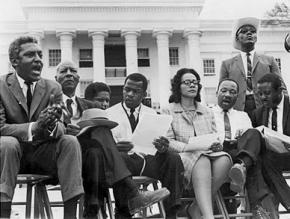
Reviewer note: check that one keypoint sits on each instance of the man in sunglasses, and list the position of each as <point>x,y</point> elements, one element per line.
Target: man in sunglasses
<point>248,66</point>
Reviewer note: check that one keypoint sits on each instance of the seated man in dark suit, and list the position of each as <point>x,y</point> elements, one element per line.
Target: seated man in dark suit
<point>32,137</point>
<point>99,93</point>
<point>264,167</point>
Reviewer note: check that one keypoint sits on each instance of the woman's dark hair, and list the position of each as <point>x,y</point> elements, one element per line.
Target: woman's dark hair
<point>176,82</point>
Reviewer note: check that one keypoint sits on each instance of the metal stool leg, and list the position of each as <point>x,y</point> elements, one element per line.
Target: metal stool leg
<point>44,200</point>
<point>28,201</point>
<point>160,203</point>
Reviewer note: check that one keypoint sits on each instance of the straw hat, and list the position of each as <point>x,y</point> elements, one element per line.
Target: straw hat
<point>255,22</point>
<point>94,117</point>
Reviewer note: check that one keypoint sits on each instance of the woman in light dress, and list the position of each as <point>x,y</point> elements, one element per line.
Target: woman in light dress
<point>206,165</point>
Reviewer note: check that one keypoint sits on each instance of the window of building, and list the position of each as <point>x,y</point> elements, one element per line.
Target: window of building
<point>54,57</point>
<point>208,67</point>
<point>278,60</point>
<point>86,58</point>
<point>143,57</point>
<point>173,56</point>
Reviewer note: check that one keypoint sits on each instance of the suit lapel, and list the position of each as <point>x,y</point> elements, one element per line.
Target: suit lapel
<point>240,65</point>
<point>265,116</point>
<point>286,112</point>
<point>38,95</point>
<point>16,90</point>
<point>255,62</point>
<point>80,105</point>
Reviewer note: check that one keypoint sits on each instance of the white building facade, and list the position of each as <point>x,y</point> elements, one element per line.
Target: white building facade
<point>111,39</point>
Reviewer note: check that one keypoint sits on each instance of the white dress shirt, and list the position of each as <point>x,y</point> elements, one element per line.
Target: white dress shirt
<point>279,116</point>
<point>76,113</point>
<point>244,58</point>
<point>24,89</point>
<point>239,121</point>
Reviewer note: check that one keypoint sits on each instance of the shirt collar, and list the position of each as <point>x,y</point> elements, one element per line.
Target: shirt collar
<point>177,108</point>
<point>280,105</point>
<point>245,53</point>
<point>137,109</point>
<point>65,97</point>
<point>21,82</point>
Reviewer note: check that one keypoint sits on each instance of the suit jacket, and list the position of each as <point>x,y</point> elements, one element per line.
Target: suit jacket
<point>260,116</point>
<point>14,115</point>
<point>233,68</point>
<point>123,131</point>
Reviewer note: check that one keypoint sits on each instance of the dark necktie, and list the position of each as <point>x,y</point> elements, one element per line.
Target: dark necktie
<point>274,118</point>
<point>68,106</point>
<point>28,94</point>
<point>249,73</point>
<point>228,133</point>
<point>132,119</point>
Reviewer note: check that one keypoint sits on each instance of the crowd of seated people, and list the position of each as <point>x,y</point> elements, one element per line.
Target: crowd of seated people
<point>85,144</point>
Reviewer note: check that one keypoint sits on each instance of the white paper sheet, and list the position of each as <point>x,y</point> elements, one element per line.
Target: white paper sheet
<point>149,127</point>
<point>275,141</point>
<point>203,142</point>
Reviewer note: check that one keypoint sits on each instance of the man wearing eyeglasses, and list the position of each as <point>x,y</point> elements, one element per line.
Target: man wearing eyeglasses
<point>249,66</point>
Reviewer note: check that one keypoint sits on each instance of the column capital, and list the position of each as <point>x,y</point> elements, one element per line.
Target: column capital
<point>163,32</point>
<point>36,33</point>
<point>128,31</point>
<point>98,32</point>
<point>191,33</point>
<point>70,33</point>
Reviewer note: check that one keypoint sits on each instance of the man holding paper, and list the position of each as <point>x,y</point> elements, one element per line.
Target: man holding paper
<point>164,166</point>
<point>255,159</point>
<point>275,114</point>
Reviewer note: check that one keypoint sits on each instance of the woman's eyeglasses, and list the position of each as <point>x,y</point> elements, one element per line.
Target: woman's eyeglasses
<point>189,82</point>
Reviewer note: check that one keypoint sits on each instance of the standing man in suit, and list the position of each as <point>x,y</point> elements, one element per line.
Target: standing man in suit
<point>249,66</point>
<point>164,166</point>
<point>31,131</point>
<point>67,76</point>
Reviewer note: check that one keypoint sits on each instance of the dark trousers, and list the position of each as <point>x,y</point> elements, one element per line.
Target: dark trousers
<point>250,144</point>
<point>264,177</point>
<point>103,167</point>
<point>166,167</point>
<point>274,164</point>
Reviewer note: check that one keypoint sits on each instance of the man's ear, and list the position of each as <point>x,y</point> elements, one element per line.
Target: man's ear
<point>14,63</point>
<point>144,94</point>
<point>55,78</point>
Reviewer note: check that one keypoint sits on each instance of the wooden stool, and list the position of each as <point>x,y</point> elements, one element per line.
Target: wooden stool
<point>108,201</point>
<point>41,201</point>
<point>143,182</point>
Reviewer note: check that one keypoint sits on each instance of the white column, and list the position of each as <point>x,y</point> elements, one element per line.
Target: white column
<point>131,50</point>
<point>163,81</point>
<point>39,35</point>
<point>66,41</point>
<point>194,58</point>
<point>98,38</point>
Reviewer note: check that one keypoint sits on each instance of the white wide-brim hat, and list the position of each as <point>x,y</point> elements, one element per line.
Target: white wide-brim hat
<point>255,22</point>
<point>93,118</point>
